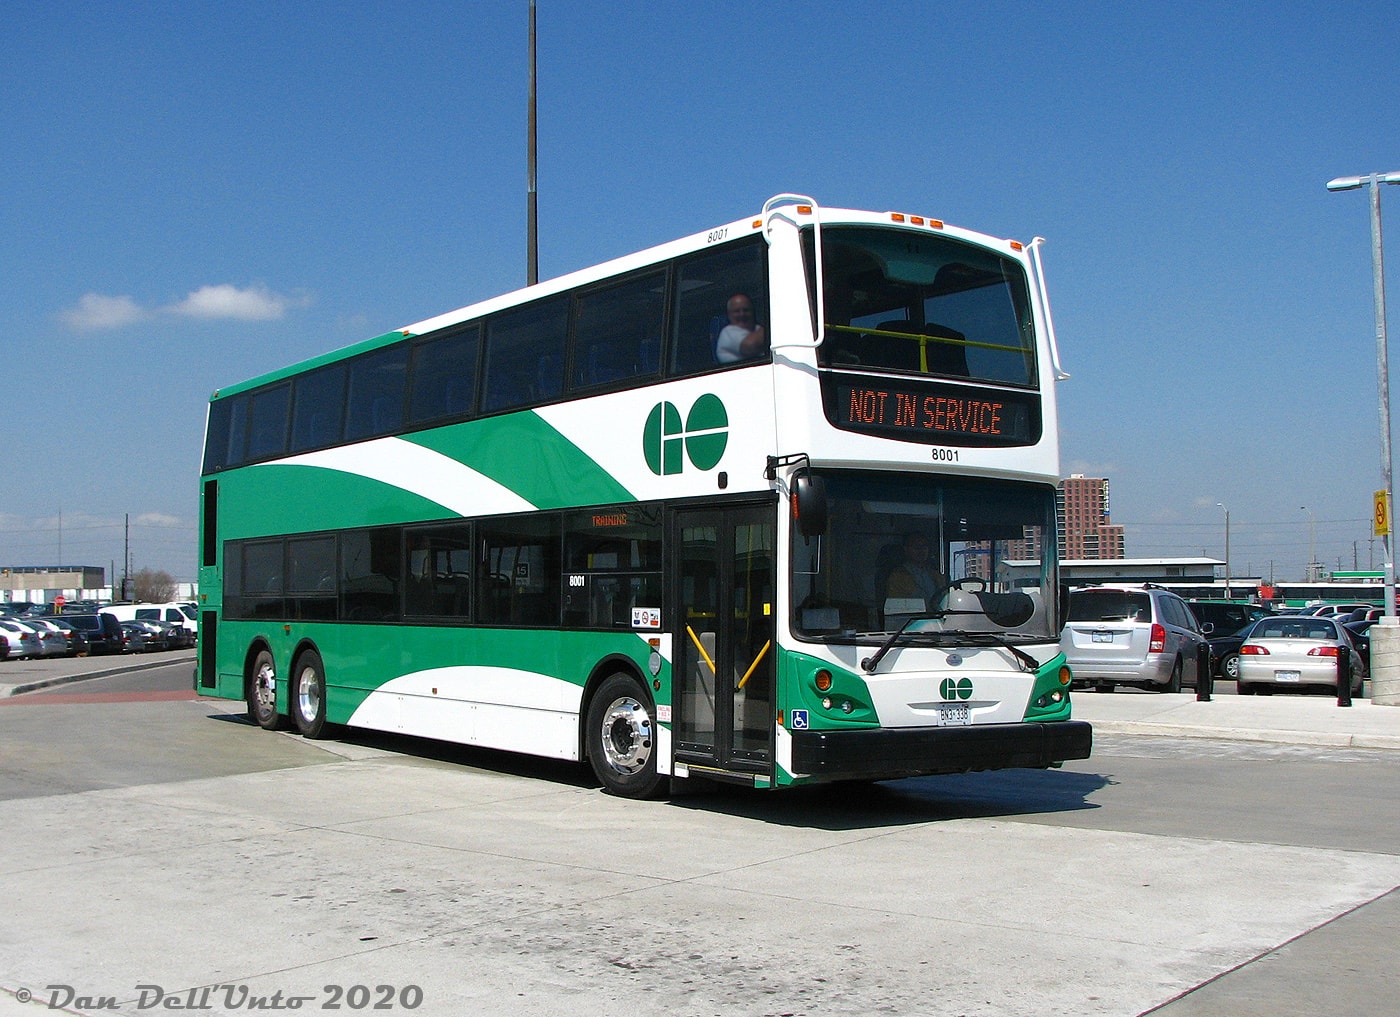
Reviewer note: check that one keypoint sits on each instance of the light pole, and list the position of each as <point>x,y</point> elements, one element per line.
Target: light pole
<point>1374,181</point>
<point>1312,543</point>
<point>1227,548</point>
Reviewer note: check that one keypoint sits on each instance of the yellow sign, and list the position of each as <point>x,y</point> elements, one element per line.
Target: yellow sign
<point>1382,515</point>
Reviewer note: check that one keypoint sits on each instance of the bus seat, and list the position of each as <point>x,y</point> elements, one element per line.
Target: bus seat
<point>946,358</point>
<point>896,354</point>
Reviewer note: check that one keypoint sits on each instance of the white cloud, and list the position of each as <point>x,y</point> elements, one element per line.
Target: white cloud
<point>223,301</point>
<point>96,312</point>
<point>256,303</point>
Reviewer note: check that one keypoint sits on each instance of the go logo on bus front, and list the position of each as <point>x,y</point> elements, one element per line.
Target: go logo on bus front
<point>667,441</point>
<point>956,688</point>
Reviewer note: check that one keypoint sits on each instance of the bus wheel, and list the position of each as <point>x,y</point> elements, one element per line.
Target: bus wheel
<point>262,693</point>
<point>621,738</point>
<point>309,695</point>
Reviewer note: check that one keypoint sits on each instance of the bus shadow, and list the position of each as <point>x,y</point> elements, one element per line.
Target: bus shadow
<point>852,805</point>
<point>911,801</point>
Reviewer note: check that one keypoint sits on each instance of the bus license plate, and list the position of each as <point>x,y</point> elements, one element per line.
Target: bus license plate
<point>1101,637</point>
<point>954,715</point>
<point>1288,676</point>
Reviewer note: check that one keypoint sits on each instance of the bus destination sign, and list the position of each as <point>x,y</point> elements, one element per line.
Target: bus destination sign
<point>932,413</point>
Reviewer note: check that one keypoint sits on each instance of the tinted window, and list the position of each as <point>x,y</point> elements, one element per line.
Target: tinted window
<point>369,575</point>
<point>703,288</point>
<point>519,578</point>
<point>444,376</point>
<point>612,566</point>
<point>317,407</point>
<point>1110,605</point>
<point>374,398</point>
<point>525,356</point>
<point>617,331</point>
<point>267,422</point>
<point>311,577</point>
<point>439,583</point>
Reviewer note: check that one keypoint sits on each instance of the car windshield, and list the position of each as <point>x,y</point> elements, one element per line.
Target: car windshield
<point>1109,605</point>
<point>930,555</point>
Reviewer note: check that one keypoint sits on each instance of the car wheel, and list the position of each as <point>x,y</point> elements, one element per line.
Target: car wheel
<point>309,695</point>
<point>1174,682</point>
<point>621,738</point>
<point>262,693</point>
<point>1230,667</point>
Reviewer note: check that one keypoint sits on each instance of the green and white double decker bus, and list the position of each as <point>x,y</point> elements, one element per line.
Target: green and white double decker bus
<point>736,507</point>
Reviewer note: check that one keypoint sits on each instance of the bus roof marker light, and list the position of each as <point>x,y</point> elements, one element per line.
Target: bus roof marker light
<point>804,209</point>
<point>917,220</point>
<point>1016,245</point>
<point>897,216</point>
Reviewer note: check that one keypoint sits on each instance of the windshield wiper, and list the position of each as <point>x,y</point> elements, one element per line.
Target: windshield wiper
<point>870,663</point>
<point>949,637</point>
<point>996,639</point>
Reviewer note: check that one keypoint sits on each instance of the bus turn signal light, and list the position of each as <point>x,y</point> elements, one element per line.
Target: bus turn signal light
<point>823,681</point>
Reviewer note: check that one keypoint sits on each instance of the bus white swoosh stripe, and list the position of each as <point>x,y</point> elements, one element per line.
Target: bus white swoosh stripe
<point>419,470</point>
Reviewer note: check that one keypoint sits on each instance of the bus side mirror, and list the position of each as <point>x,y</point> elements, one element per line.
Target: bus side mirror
<point>809,504</point>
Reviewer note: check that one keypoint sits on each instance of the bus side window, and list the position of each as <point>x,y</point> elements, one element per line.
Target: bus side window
<point>704,286</point>
<point>525,355</point>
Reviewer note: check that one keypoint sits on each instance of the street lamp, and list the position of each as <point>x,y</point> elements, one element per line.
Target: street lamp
<point>1227,548</point>
<point>1374,180</point>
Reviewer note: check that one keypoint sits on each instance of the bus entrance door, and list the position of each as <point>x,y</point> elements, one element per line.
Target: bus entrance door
<point>724,667</point>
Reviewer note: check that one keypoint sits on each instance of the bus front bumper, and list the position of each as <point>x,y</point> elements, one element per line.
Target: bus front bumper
<point>887,753</point>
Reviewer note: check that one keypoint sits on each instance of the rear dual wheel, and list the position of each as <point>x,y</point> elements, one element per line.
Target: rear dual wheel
<point>308,695</point>
<point>262,693</point>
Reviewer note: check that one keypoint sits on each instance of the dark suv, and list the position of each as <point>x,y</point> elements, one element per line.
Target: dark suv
<point>1225,622</point>
<point>104,633</point>
<point>1140,635</point>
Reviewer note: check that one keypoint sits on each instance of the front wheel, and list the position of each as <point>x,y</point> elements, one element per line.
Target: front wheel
<point>262,693</point>
<point>621,738</point>
<point>309,695</point>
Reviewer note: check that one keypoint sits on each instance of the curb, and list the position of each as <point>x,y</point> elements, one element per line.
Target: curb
<point>68,679</point>
<point>1279,737</point>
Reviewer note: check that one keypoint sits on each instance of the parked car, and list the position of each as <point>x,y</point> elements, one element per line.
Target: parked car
<point>52,638</point>
<point>1141,635</point>
<point>144,637</point>
<point>1364,614</point>
<point>103,632</point>
<point>175,614</point>
<point>1361,636</point>
<point>78,645</point>
<point>23,640</point>
<point>1224,623</point>
<point>1296,652</point>
<point>1326,610</point>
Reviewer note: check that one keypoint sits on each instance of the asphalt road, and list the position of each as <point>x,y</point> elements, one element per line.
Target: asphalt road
<point>156,838</point>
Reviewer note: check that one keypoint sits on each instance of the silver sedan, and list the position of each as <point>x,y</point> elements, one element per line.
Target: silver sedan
<point>1293,651</point>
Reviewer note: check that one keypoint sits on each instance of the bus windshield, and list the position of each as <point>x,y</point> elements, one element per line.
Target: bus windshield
<point>940,554</point>
<point>917,303</point>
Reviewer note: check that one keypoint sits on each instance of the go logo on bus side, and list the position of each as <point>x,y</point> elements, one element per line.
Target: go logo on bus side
<point>667,442</point>
<point>956,688</point>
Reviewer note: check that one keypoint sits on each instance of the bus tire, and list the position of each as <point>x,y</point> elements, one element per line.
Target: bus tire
<point>262,693</point>
<point>620,737</point>
<point>308,695</point>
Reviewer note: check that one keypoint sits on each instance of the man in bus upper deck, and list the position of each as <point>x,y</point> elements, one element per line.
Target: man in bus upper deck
<point>742,338</point>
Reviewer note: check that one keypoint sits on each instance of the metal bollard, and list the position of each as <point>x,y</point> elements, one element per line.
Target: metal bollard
<point>1343,674</point>
<point>1205,676</point>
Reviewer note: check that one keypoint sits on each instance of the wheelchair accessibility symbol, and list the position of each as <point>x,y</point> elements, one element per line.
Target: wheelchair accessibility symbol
<point>799,720</point>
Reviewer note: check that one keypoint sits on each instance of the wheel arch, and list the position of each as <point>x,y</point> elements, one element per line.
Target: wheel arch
<point>255,646</point>
<point>613,663</point>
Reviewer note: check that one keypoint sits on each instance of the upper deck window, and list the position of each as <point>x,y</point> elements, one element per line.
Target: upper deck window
<point>899,300</point>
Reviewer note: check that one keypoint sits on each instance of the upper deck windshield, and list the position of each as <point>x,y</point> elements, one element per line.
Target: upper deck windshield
<point>931,555</point>
<point>921,303</point>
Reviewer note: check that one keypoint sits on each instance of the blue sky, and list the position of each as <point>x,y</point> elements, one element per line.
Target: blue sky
<point>195,193</point>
